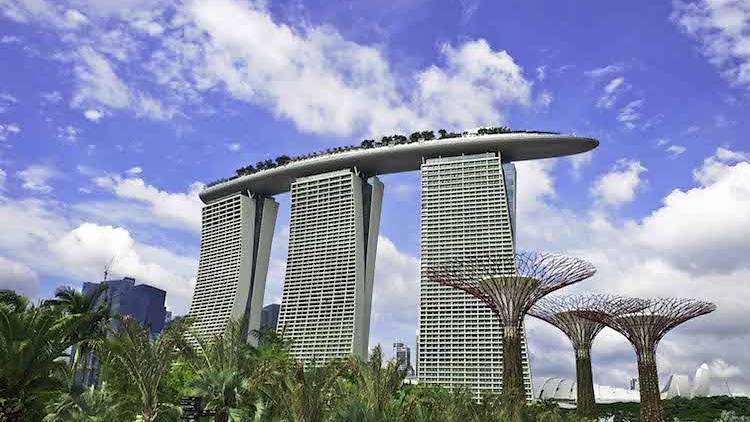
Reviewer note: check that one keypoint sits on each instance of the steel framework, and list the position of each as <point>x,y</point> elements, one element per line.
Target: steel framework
<point>510,288</point>
<point>644,329</point>
<point>563,313</point>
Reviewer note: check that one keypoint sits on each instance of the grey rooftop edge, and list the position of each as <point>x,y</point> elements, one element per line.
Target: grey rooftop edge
<point>402,157</point>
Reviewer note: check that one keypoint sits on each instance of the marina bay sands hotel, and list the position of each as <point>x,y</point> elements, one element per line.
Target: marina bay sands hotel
<point>468,206</point>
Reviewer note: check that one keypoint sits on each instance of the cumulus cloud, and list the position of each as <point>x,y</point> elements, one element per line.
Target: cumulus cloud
<point>134,171</point>
<point>620,184</point>
<point>395,295</point>
<point>721,29</point>
<point>182,209</point>
<point>19,277</point>
<point>93,115</point>
<point>80,250</point>
<point>36,177</point>
<point>691,245</point>
<point>310,75</point>
<point>234,146</point>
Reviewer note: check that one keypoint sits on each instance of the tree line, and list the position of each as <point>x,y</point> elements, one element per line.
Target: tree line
<point>46,351</point>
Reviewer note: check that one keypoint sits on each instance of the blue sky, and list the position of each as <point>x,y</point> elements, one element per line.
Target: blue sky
<point>113,115</point>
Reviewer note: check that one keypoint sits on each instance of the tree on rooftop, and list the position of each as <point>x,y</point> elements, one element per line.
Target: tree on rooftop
<point>644,329</point>
<point>562,312</point>
<point>510,287</point>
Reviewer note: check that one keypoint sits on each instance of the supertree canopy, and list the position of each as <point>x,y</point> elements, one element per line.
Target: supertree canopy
<point>563,313</point>
<point>644,328</point>
<point>510,288</point>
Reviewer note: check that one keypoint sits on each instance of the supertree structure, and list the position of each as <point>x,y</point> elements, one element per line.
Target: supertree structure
<point>510,287</point>
<point>644,329</point>
<point>563,313</point>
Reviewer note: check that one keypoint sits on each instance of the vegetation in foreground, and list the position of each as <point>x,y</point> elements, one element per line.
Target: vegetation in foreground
<point>141,378</point>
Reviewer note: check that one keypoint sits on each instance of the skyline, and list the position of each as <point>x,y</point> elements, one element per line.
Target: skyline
<point>105,135</point>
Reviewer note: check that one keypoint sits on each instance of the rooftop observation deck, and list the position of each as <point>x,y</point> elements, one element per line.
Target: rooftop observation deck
<point>396,158</point>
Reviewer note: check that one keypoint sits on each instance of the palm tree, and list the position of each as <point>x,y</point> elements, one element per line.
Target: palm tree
<point>90,405</point>
<point>221,370</point>
<point>33,343</point>
<point>132,351</point>
<point>299,394</point>
<point>90,314</point>
<point>377,385</point>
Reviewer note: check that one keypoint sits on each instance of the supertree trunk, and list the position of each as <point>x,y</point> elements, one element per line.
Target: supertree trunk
<point>585,403</point>
<point>649,383</point>
<point>512,363</point>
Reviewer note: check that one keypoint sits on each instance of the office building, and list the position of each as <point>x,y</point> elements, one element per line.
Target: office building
<point>468,204</point>
<point>143,303</point>
<point>402,353</point>
<point>269,318</point>
<point>325,305</point>
<point>236,236</point>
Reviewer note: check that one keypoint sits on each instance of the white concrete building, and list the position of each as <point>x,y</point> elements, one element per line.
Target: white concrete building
<point>236,237</point>
<point>468,204</point>
<point>325,306</point>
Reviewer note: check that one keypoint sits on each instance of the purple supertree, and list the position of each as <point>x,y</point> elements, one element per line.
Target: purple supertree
<point>644,328</point>
<point>510,287</point>
<point>562,312</point>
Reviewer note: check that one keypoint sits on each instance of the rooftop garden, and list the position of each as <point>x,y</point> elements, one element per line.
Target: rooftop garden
<point>422,136</point>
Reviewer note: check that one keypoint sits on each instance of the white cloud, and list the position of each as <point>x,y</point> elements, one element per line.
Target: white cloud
<point>53,97</point>
<point>541,73</point>
<point>93,115</point>
<point>611,92</point>
<point>620,184</point>
<point>545,98</point>
<point>604,71</point>
<point>676,150</point>
<point>579,161</point>
<point>176,209</point>
<point>234,146</point>
<point>89,246</point>
<point>468,91</point>
<point>79,250</point>
<point>721,27</point>
<point>631,113</point>
<point>10,39</point>
<point>97,82</point>
<point>36,177</point>
<point>310,75</point>
<point>19,277</point>
<point>716,167</point>
<point>3,178</point>
<point>395,295</point>
<point>134,171</point>
<point>8,129</point>
<point>68,133</point>
<point>6,101</point>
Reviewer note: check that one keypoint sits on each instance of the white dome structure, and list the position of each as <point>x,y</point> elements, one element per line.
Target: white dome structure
<point>702,381</point>
<point>563,391</point>
<point>677,386</point>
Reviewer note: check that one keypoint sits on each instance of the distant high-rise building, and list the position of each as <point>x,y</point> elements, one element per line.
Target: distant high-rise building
<point>468,211</point>
<point>402,353</point>
<point>144,303</point>
<point>333,233</point>
<point>270,316</point>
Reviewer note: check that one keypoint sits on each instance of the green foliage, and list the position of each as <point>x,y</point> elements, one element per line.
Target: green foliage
<point>699,409</point>
<point>142,378</point>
